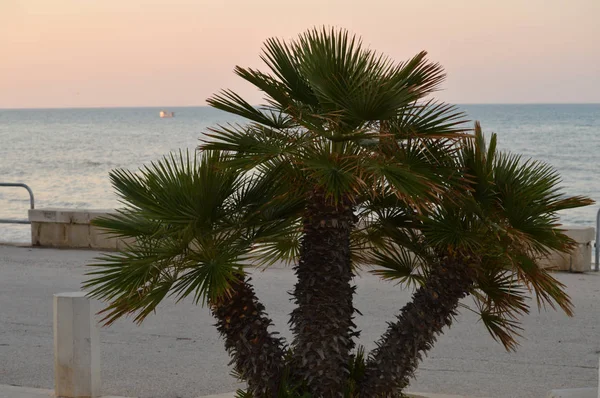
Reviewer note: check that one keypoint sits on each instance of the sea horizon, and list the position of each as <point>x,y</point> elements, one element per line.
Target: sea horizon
<point>208,106</point>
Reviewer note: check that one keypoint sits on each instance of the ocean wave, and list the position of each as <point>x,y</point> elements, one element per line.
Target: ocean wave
<point>93,163</point>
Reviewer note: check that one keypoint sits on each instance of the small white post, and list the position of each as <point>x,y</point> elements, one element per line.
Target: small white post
<point>76,347</point>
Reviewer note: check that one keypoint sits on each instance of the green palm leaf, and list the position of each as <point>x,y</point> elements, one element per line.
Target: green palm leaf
<point>195,235</point>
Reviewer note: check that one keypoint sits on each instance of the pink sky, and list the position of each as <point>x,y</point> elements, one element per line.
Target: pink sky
<point>86,53</point>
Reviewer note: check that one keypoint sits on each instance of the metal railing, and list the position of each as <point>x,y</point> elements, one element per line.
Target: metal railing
<point>31,202</point>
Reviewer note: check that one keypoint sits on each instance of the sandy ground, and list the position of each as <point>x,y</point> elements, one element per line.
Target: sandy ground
<point>177,352</point>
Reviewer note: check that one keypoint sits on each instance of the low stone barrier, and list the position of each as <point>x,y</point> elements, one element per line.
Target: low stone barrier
<point>69,228</point>
<point>77,371</point>
<point>580,259</point>
<point>76,347</point>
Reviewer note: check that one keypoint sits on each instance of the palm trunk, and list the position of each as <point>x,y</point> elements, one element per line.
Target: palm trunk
<point>398,352</point>
<point>322,321</point>
<point>257,355</point>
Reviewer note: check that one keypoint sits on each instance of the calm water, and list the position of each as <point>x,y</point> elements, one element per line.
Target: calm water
<point>65,155</point>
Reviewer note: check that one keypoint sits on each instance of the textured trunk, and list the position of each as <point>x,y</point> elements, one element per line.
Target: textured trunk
<point>256,353</point>
<point>398,352</point>
<point>322,321</point>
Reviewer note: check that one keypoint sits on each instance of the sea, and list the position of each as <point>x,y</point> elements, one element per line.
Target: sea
<point>65,155</point>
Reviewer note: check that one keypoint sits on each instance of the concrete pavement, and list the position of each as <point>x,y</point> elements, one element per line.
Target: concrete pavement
<point>416,395</point>
<point>26,392</point>
<point>574,393</point>
<point>177,352</point>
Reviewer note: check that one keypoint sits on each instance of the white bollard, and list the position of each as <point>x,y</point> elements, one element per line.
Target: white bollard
<point>76,347</point>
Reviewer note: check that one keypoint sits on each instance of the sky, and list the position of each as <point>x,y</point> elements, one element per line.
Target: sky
<point>102,53</point>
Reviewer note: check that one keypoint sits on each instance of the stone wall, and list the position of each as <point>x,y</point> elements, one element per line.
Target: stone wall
<point>580,260</point>
<point>68,228</point>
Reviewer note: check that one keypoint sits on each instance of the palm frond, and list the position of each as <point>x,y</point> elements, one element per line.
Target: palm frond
<point>212,264</point>
<point>231,102</point>
<point>501,327</point>
<point>358,84</point>
<point>547,290</point>
<point>408,185</point>
<point>400,265</point>
<point>133,282</point>
<point>337,175</point>
<point>239,393</point>
<point>499,288</point>
<point>279,101</point>
<point>284,62</point>
<point>356,371</point>
<point>283,248</point>
<point>248,146</point>
<point>193,234</point>
<point>432,119</point>
<point>531,198</point>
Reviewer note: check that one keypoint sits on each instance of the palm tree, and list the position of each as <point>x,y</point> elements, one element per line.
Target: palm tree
<point>326,103</point>
<point>346,165</point>
<point>485,243</point>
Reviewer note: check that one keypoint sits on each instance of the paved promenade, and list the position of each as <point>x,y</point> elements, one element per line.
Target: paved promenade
<point>28,392</point>
<point>177,352</point>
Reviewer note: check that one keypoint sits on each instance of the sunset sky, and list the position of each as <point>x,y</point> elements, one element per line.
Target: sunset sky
<point>89,53</point>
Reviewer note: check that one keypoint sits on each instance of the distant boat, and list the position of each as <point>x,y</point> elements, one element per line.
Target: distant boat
<point>166,114</point>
